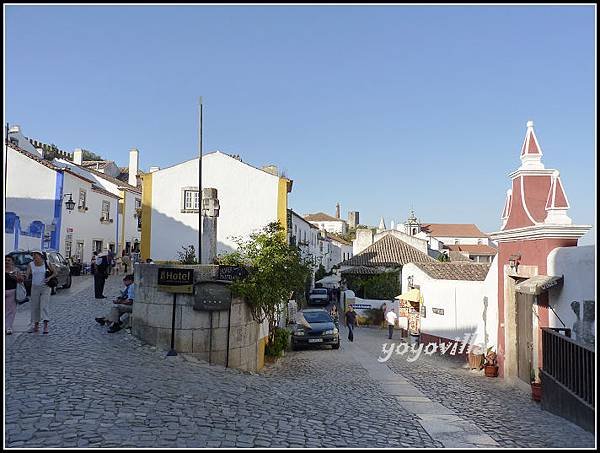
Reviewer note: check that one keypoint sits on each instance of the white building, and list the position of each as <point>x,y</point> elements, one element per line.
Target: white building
<point>328,223</point>
<point>36,214</point>
<point>573,302</point>
<point>130,197</point>
<point>341,250</point>
<point>458,300</point>
<point>306,236</point>
<point>249,199</point>
<point>465,239</point>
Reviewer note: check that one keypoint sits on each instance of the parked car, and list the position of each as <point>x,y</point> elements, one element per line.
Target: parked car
<point>318,296</point>
<point>314,326</point>
<point>22,258</point>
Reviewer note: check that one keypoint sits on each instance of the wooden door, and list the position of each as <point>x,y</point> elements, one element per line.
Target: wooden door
<point>524,335</point>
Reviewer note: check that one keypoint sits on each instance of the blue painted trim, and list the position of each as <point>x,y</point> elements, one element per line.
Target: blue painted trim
<point>17,232</point>
<point>58,201</point>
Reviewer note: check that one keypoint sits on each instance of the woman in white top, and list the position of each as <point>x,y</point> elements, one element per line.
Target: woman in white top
<point>40,291</point>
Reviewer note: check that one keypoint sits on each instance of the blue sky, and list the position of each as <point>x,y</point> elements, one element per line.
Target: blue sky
<point>377,108</point>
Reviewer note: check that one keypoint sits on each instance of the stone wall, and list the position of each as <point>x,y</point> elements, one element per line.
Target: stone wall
<point>152,320</point>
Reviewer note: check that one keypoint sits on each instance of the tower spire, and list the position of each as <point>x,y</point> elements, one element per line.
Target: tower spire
<point>531,152</point>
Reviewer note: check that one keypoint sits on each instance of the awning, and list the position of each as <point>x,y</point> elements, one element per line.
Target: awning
<point>414,295</point>
<point>539,284</point>
<point>330,279</point>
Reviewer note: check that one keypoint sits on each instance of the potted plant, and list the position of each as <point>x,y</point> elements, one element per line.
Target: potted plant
<point>476,358</point>
<point>536,385</point>
<point>491,363</point>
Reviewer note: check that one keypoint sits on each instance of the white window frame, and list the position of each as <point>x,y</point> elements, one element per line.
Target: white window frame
<point>80,206</point>
<point>105,213</point>
<point>190,200</point>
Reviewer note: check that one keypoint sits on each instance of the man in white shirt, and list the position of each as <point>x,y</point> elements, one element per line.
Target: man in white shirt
<point>391,318</point>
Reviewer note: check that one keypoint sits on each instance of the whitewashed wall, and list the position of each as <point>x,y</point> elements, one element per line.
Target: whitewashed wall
<point>30,193</point>
<point>247,197</point>
<point>130,233</point>
<point>578,265</point>
<point>86,225</point>
<point>463,305</point>
<point>339,227</point>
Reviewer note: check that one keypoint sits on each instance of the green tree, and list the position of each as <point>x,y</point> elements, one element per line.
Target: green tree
<point>276,270</point>
<point>443,258</point>
<point>88,155</point>
<point>321,272</point>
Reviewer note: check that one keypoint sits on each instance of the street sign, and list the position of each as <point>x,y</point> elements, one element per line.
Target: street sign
<point>175,280</point>
<point>230,273</point>
<point>212,296</point>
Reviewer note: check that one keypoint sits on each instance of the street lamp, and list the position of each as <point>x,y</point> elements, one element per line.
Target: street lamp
<point>70,204</point>
<point>513,261</point>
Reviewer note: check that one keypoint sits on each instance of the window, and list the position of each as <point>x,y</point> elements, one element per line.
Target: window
<point>111,247</point>
<point>68,247</point>
<point>479,241</point>
<point>82,196</point>
<point>456,241</point>
<point>138,204</point>
<point>79,251</point>
<point>105,211</point>
<point>191,200</point>
<point>97,246</point>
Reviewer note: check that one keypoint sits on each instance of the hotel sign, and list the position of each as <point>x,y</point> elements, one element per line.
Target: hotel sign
<point>175,280</point>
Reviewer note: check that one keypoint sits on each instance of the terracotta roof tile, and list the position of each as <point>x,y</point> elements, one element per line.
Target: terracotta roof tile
<point>458,230</point>
<point>389,251</point>
<point>480,249</point>
<point>321,217</point>
<point>458,256</point>
<point>455,271</point>
<point>336,238</point>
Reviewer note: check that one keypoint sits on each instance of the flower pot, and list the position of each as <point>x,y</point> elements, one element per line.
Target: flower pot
<point>491,370</point>
<point>475,361</point>
<point>536,391</point>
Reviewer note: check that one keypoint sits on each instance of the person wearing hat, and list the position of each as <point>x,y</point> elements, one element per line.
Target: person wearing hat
<point>101,272</point>
<point>40,272</point>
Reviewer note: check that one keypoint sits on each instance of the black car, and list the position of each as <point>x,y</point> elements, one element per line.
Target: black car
<point>316,328</point>
<point>22,258</point>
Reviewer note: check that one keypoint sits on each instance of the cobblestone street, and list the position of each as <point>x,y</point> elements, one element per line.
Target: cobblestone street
<point>82,387</point>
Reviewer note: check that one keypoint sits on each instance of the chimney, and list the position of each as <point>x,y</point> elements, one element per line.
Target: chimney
<point>15,129</point>
<point>271,169</point>
<point>337,211</point>
<point>134,163</point>
<point>78,156</point>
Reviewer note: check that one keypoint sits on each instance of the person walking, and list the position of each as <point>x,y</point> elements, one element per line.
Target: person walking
<point>126,260</point>
<point>351,322</point>
<point>11,278</point>
<point>335,316</point>
<point>391,318</point>
<point>42,274</point>
<point>101,272</point>
<point>384,312</point>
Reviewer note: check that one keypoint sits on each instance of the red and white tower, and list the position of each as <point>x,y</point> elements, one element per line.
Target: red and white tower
<point>534,222</point>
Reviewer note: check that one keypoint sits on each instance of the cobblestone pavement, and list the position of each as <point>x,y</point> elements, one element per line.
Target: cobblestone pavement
<point>504,412</point>
<point>82,387</point>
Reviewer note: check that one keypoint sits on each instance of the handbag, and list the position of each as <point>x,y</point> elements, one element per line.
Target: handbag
<point>21,294</point>
<point>53,282</point>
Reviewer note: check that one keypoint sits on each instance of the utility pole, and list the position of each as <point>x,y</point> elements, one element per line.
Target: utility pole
<point>200,181</point>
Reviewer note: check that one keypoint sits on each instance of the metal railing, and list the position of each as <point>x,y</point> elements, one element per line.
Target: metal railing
<point>569,363</point>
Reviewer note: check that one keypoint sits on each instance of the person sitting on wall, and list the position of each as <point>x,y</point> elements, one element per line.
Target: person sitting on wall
<point>123,304</point>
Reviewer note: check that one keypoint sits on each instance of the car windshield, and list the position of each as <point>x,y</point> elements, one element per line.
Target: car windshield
<point>317,316</point>
<point>319,291</point>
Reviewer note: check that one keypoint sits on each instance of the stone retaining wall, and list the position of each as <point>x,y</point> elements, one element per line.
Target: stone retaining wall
<point>152,320</point>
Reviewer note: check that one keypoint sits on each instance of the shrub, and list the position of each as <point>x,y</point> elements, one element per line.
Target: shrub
<point>281,339</point>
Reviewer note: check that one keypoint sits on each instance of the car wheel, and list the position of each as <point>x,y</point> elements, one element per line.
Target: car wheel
<point>336,346</point>
<point>295,347</point>
<point>68,284</point>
